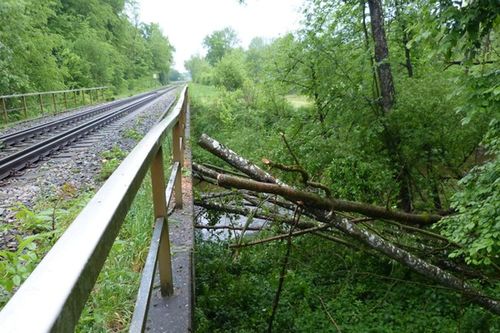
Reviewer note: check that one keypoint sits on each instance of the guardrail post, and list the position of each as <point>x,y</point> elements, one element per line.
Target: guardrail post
<point>25,108</point>
<point>90,95</point>
<point>160,210</point>
<point>41,102</point>
<point>54,102</point>
<point>178,156</point>
<point>65,101</point>
<point>4,107</point>
<point>74,99</point>
<point>83,96</point>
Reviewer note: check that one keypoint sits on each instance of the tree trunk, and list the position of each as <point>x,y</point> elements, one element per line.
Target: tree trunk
<point>405,39</point>
<point>375,88</point>
<point>405,201</point>
<point>387,93</point>
<point>312,199</point>
<point>330,204</point>
<point>235,160</point>
<point>408,65</point>
<point>386,83</point>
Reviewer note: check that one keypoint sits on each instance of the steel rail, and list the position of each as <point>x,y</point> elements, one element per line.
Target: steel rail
<point>19,160</point>
<point>53,296</point>
<point>20,136</point>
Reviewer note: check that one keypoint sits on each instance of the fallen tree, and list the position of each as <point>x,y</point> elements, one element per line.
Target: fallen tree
<point>267,183</point>
<point>325,210</point>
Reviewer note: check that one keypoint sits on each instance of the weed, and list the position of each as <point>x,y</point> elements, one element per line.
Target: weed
<point>34,222</point>
<point>111,159</point>
<point>132,134</point>
<point>15,266</point>
<point>42,225</point>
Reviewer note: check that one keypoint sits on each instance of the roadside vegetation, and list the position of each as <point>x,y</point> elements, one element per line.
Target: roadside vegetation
<point>58,45</point>
<point>54,45</point>
<point>39,228</point>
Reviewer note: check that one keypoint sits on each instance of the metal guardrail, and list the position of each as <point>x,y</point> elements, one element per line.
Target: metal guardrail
<point>53,296</point>
<point>23,105</point>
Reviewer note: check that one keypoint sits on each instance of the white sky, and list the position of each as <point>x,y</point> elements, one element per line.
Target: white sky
<point>187,22</point>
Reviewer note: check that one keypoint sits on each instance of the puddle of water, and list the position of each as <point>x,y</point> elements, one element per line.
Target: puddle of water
<point>230,220</point>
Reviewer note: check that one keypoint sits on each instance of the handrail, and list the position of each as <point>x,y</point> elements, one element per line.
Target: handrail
<point>53,296</point>
<point>52,92</point>
<point>22,100</point>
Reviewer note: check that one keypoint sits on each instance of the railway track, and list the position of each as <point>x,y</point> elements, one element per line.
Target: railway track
<point>25,148</point>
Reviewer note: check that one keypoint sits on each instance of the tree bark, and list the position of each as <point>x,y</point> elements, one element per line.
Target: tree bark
<point>313,200</point>
<point>235,160</point>
<point>386,83</point>
<point>376,89</point>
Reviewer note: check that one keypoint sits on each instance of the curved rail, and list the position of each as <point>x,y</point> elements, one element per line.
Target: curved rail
<point>21,159</point>
<point>20,136</point>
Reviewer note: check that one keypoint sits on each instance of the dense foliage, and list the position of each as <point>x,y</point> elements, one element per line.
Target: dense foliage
<point>56,44</point>
<point>446,81</point>
<point>433,149</point>
<point>326,287</point>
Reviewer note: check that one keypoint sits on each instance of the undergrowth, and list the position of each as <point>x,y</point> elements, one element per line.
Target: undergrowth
<point>326,286</point>
<point>40,227</point>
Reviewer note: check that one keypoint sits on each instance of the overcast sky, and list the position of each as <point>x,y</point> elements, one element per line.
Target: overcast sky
<point>187,22</point>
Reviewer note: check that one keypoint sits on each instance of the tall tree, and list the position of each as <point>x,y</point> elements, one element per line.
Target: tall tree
<point>219,43</point>
<point>384,72</point>
<point>161,50</point>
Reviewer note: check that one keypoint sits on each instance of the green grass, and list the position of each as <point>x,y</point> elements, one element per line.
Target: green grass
<point>111,303</point>
<point>132,134</point>
<point>202,93</point>
<point>111,159</point>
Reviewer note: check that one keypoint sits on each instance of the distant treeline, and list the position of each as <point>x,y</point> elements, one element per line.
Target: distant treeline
<point>57,44</point>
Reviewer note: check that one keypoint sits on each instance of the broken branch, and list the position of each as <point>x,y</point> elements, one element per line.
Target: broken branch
<point>316,201</point>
